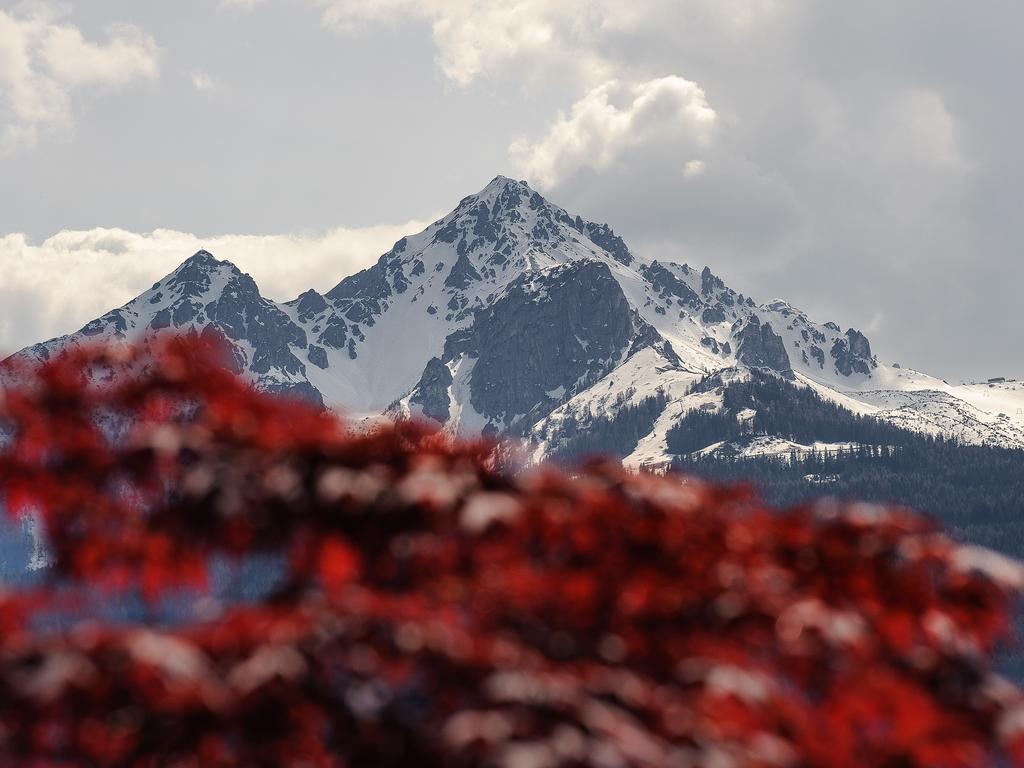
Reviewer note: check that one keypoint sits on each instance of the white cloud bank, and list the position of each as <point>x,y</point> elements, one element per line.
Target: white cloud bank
<point>613,118</point>
<point>58,286</point>
<point>203,83</point>
<point>477,37</point>
<point>43,63</point>
<point>245,5</point>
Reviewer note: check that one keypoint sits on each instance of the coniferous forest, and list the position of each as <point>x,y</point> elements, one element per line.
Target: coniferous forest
<point>616,436</point>
<point>976,490</point>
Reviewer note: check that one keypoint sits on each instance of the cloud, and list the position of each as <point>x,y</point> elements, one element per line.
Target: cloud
<point>613,118</point>
<point>203,83</point>
<point>476,37</point>
<point>536,38</point>
<point>928,130</point>
<point>654,158</point>
<point>244,5</point>
<point>694,168</point>
<point>43,62</point>
<point>58,286</point>
<point>855,166</point>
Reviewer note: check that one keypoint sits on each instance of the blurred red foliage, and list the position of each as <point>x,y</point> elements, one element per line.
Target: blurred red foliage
<point>439,610</point>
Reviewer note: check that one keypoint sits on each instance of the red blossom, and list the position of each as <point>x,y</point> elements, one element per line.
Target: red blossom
<point>438,609</point>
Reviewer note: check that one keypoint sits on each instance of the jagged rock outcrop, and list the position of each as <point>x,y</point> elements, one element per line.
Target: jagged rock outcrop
<point>710,283</point>
<point>853,354</point>
<point>713,315</point>
<point>602,235</point>
<point>431,393</point>
<point>819,355</point>
<point>310,304</point>
<point>758,346</point>
<point>462,273</point>
<point>667,285</point>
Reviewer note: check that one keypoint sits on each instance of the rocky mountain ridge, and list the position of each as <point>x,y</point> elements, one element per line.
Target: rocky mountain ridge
<point>512,316</point>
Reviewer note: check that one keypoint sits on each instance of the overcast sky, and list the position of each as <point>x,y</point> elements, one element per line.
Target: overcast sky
<point>860,159</point>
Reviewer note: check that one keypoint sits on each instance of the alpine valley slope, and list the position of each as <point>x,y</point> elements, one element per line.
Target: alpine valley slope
<point>510,316</point>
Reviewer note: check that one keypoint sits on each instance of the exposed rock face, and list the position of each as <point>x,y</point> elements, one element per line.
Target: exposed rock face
<point>194,277</point>
<point>602,235</point>
<point>310,304</point>
<point>547,335</point>
<point>361,297</point>
<point>431,394</point>
<point>334,333</point>
<point>317,356</point>
<point>818,354</point>
<point>370,283</point>
<point>709,283</point>
<point>859,345</point>
<point>853,354</point>
<point>759,346</point>
<point>462,274</point>
<point>713,315</point>
<point>243,315</point>
<point>666,284</point>
<point>711,344</point>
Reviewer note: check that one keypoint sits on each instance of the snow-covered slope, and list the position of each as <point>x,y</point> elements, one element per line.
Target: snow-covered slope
<point>512,316</point>
<point>201,296</point>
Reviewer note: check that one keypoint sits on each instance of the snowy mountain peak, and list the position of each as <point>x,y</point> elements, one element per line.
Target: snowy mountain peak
<point>512,315</point>
<point>501,197</point>
<point>196,275</point>
<point>203,257</point>
<point>513,222</point>
<point>499,184</point>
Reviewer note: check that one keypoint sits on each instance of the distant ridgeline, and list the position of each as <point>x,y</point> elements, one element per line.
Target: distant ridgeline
<point>514,318</point>
<point>977,490</point>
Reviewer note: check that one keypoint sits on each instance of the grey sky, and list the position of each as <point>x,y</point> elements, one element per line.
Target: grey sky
<point>860,160</point>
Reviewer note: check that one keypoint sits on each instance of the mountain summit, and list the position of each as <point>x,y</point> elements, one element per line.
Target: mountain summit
<point>512,316</point>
